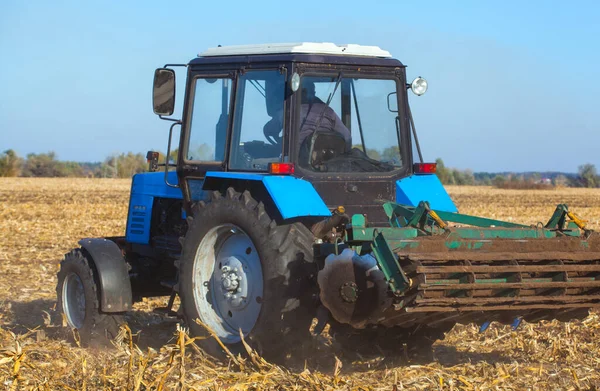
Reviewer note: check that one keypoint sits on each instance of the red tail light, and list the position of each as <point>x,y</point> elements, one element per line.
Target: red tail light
<point>281,168</point>
<point>424,168</point>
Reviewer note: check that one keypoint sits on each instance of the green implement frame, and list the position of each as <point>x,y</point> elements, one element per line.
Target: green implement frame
<point>410,225</point>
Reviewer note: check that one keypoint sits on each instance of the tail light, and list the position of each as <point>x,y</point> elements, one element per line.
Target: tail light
<point>425,168</point>
<point>281,168</point>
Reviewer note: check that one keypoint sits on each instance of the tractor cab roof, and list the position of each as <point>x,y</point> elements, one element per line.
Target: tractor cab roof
<point>308,52</point>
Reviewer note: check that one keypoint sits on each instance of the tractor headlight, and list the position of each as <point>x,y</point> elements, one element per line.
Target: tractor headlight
<point>295,82</point>
<point>419,86</point>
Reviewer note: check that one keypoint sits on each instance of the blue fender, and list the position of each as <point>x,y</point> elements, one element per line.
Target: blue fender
<point>424,187</point>
<point>293,197</point>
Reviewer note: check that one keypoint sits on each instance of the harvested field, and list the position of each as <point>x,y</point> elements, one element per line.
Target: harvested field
<point>41,219</point>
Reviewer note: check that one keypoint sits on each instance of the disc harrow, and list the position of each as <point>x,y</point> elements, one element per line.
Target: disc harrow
<point>478,270</point>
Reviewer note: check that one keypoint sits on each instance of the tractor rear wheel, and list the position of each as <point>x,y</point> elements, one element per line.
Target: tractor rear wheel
<point>78,301</point>
<point>241,271</point>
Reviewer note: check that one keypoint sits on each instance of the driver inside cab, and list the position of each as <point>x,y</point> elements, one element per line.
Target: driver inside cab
<point>317,115</point>
<point>314,114</point>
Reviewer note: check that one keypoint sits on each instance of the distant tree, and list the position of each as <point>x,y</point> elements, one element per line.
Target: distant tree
<point>444,173</point>
<point>70,169</point>
<point>482,178</point>
<point>124,165</point>
<point>46,165</point>
<point>10,163</point>
<point>173,155</point>
<point>588,175</point>
<point>42,165</point>
<point>463,178</point>
<point>202,152</point>
<point>499,181</point>
<point>468,177</point>
<point>391,154</point>
<point>560,181</point>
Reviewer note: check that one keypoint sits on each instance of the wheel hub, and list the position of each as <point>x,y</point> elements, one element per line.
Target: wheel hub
<point>234,287</point>
<point>349,292</point>
<point>229,296</point>
<point>230,280</point>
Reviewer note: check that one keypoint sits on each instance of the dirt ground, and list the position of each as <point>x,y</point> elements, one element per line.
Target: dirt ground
<point>41,219</point>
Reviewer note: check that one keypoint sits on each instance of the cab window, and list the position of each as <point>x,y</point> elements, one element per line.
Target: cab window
<point>209,119</point>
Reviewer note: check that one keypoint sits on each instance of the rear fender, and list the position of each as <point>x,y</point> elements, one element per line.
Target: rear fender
<point>424,187</point>
<point>112,274</point>
<point>292,197</point>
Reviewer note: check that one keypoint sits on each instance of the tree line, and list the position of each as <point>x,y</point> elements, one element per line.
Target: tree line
<point>125,165</point>
<point>586,176</point>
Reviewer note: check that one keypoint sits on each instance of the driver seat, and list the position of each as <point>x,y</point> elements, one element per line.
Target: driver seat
<point>323,146</point>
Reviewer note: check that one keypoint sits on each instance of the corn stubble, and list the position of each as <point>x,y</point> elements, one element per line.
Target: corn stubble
<point>41,219</point>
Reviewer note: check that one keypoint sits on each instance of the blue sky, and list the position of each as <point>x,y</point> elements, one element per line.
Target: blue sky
<point>513,85</point>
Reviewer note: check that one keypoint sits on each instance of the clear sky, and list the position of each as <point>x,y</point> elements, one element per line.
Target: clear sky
<point>513,85</point>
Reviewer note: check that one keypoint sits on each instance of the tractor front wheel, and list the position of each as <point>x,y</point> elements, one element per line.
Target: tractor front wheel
<point>243,274</point>
<point>78,301</point>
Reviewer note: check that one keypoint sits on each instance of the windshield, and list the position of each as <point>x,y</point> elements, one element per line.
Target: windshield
<point>347,124</point>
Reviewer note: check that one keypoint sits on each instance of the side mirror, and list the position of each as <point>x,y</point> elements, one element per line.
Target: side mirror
<point>163,91</point>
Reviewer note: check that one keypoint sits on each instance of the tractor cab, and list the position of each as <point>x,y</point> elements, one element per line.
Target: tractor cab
<point>336,116</point>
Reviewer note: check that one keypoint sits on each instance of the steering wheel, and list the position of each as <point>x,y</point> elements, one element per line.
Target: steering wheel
<point>271,131</point>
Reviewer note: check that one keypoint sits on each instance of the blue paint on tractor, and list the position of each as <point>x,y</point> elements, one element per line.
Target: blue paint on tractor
<point>144,188</point>
<point>293,197</point>
<point>416,188</point>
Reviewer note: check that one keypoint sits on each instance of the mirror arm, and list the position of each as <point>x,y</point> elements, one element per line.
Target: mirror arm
<point>167,156</point>
<point>170,119</point>
<point>414,132</point>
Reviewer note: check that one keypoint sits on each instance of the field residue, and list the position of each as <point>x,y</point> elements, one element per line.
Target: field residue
<point>41,219</point>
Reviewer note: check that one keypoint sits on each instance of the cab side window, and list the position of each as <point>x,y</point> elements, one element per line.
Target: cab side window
<point>209,119</point>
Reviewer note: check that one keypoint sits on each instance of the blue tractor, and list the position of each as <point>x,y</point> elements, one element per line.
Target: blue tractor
<point>300,193</point>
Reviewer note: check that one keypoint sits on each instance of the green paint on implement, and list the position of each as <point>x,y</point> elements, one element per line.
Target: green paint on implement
<point>389,264</point>
<point>409,224</point>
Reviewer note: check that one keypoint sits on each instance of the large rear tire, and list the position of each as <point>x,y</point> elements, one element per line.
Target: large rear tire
<point>239,269</point>
<point>78,300</point>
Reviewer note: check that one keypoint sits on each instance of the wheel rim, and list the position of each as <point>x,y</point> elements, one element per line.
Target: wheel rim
<point>73,297</point>
<point>227,282</point>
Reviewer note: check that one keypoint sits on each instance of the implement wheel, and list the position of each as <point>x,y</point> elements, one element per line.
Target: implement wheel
<point>240,270</point>
<point>78,301</point>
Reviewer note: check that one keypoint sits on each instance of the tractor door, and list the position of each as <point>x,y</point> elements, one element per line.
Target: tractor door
<point>207,120</point>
